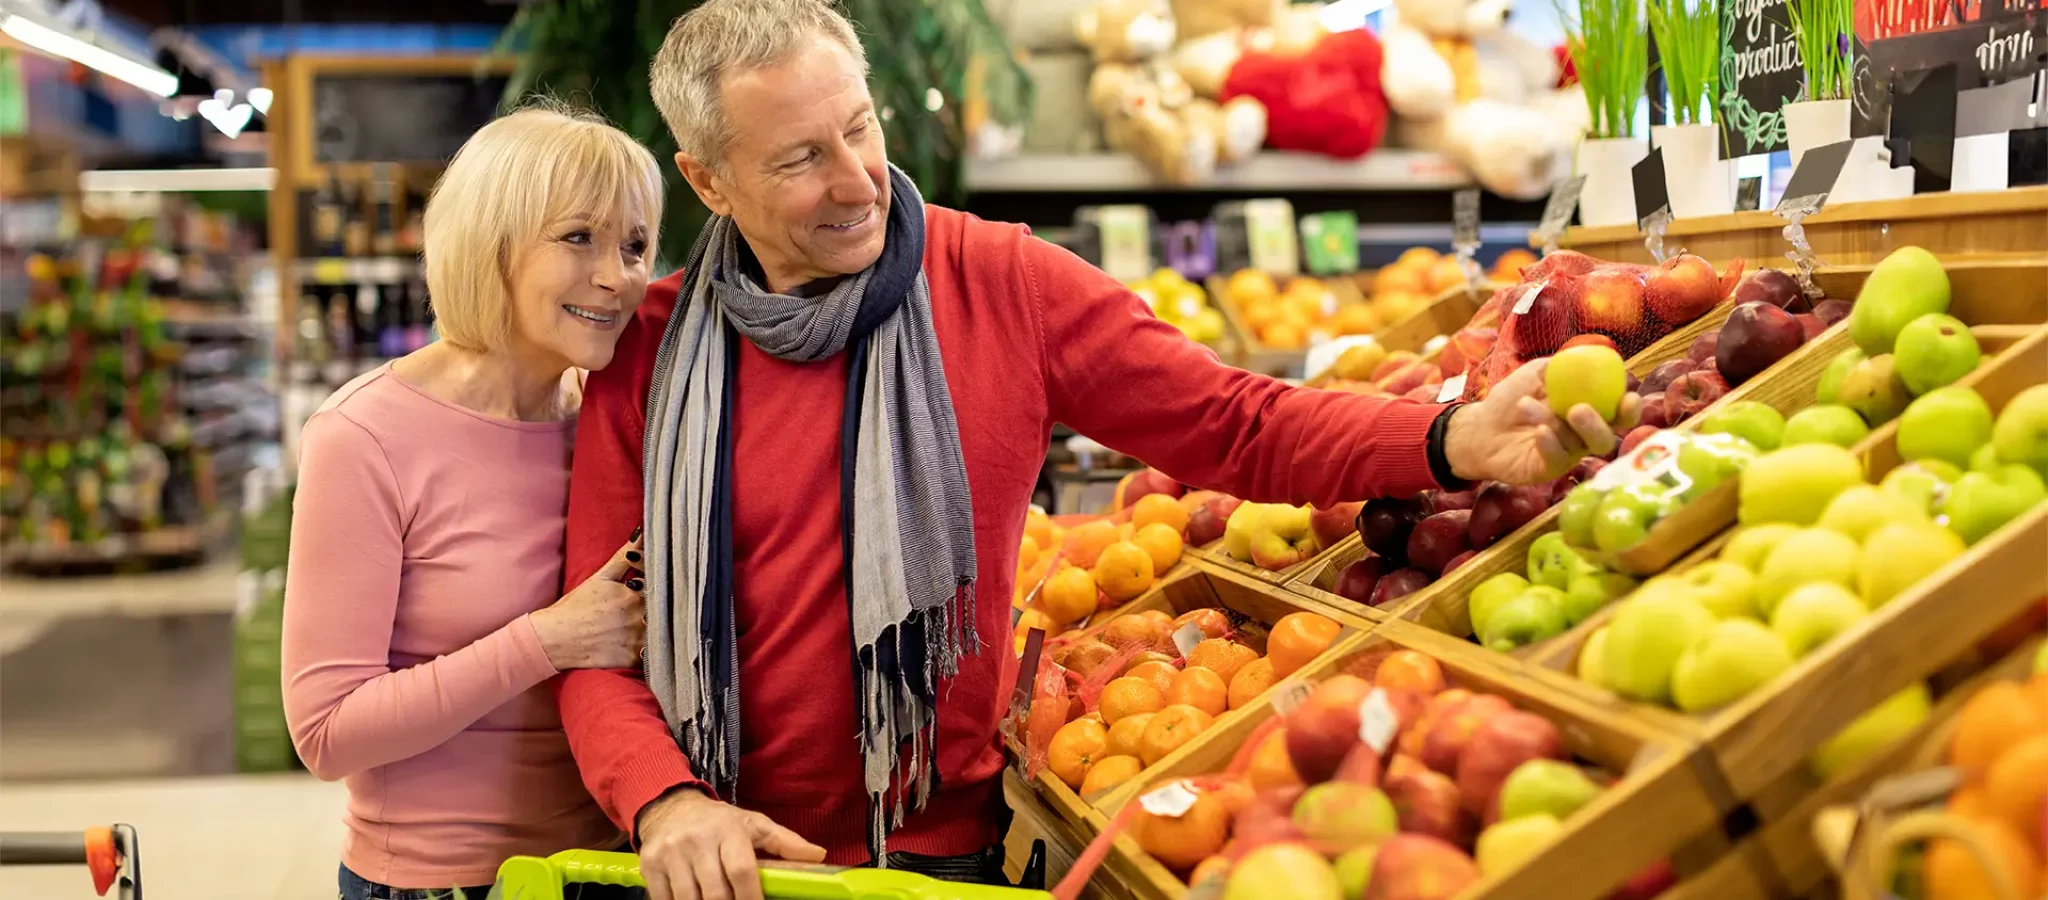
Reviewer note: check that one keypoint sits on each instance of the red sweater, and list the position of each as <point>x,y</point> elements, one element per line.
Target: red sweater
<point>1031,335</point>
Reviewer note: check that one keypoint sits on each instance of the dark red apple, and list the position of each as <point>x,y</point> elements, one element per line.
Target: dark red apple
<point>1661,376</point>
<point>1653,411</point>
<point>1832,311</point>
<point>1810,326</point>
<point>1704,348</point>
<point>1776,287</point>
<point>1755,337</point>
<point>1385,523</point>
<point>1206,523</point>
<point>1426,803</point>
<point>1397,584</point>
<point>1636,436</point>
<point>1454,727</point>
<point>1611,300</point>
<point>1648,884</point>
<point>1585,469</point>
<point>1437,539</point>
<point>1500,745</point>
<point>1356,581</point>
<point>1459,560</point>
<point>1550,320</point>
<point>1692,392</point>
<point>1682,289</point>
<point>1501,509</point>
<point>1335,523</point>
<point>1445,501</point>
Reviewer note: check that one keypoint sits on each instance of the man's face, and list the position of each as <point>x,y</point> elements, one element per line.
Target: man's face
<point>806,178</point>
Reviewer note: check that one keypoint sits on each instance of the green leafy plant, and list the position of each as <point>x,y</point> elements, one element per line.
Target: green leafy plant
<point>1609,44</point>
<point>938,70</point>
<point>1822,29</point>
<point>1688,34</point>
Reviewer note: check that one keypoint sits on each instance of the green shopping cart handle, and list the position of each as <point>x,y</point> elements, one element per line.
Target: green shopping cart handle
<point>533,878</point>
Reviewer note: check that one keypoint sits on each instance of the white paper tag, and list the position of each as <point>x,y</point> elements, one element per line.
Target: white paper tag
<point>1170,801</point>
<point>1288,697</point>
<point>1653,459</point>
<point>1186,638</point>
<point>1377,723</point>
<point>1528,300</point>
<point>1454,386</point>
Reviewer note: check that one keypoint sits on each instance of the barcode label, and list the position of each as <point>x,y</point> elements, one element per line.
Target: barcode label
<point>1186,638</point>
<point>1377,723</point>
<point>1171,801</point>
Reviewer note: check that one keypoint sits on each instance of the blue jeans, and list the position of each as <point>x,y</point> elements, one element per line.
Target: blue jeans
<point>355,887</point>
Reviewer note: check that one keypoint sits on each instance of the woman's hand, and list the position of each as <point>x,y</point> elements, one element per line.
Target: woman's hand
<point>602,624</point>
<point>1513,437</point>
<point>693,847</point>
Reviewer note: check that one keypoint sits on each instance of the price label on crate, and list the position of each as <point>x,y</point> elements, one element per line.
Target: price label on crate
<point>1377,722</point>
<point>1186,638</point>
<point>1558,210</point>
<point>1288,697</point>
<point>1169,801</point>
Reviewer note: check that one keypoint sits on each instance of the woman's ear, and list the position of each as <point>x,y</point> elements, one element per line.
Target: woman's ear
<point>704,183</point>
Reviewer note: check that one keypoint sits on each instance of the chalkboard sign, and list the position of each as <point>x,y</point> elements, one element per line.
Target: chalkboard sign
<point>1760,73</point>
<point>399,118</point>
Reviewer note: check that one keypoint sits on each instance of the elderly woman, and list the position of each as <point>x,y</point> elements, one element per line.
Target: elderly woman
<point>422,615</point>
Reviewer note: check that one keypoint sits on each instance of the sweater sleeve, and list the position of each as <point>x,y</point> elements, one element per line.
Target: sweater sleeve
<point>1119,375</point>
<point>615,727</point>
<point>347,709</point>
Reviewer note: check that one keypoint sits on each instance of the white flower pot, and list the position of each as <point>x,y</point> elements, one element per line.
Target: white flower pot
<point>1609,197</point>
<point>1867,175</point>
<point>1698,180</point>
<point>1981,163</point>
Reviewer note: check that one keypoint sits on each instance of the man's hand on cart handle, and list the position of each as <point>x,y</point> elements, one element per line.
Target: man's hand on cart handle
<point>693,847</point>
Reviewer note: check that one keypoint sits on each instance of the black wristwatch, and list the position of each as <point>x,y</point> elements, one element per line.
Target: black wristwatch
<point>1439,461</point>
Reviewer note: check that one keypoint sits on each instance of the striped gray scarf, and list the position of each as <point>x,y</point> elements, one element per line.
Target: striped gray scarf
<point>907,519</point>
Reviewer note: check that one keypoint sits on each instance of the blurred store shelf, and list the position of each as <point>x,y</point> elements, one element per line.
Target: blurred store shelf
<point>1382,170</point>
<point>371,270</point>
<point>201,590</point>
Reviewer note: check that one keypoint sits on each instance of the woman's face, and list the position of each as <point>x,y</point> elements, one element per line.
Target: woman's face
<point>575,286</point>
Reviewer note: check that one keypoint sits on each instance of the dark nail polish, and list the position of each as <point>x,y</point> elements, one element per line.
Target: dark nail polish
<point>635,535</point>
<point>635,584</point>
<point>633,556</point>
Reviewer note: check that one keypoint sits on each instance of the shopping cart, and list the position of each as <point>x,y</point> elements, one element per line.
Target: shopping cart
<point>534,878</point>
<point>112,854</point>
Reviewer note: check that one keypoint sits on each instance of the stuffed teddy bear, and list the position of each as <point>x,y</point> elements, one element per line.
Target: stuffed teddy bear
<point>1321,90</point>
<point>1462,84</point>
<point>1200,18</point>
<point>1147,109</point>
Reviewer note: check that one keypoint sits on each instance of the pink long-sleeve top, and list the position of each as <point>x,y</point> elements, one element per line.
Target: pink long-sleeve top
<point>423,536</point>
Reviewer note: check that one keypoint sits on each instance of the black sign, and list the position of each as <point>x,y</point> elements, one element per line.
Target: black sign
<point>1760,73</point>
<point>2027,157</point>
<point>1652,192</point>
<point>1818,170</point>
<point>1924,105</point>
<point>399,118</point>
<point>1749,194</point>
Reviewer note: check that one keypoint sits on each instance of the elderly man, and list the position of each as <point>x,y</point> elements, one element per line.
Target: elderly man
<point>830,423</point>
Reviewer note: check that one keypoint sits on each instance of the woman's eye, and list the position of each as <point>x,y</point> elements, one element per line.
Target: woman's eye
<point>636,249</point>
<point>576,237</point>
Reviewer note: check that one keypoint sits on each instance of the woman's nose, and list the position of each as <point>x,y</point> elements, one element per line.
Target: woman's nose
<point>608,273</point>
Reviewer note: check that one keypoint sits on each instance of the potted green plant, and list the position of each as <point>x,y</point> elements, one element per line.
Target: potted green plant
<point>1688,36</point>
<point>1824,30</point>
<point>1609,45</point>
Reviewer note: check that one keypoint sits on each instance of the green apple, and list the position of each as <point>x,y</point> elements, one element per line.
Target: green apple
<point>1593,657</point>
<point>1754,421</point>
<point>1830,388</point>
<point>1238,530</point>
<point>1981,502</point>
<point>1897,556</point>
<point>1621,523</point>
<point>1864,508</point>
<point>1591,588</point>
<point>1985,459</point>
<point>1884,725</point>
<point>1354,870</point>
<point>1727,590</point>
<point>1489,596</point>
<point>1645,640</point>
<point>1590,374</point>
<point>1794,484</point>
<point>1924,483</point>
<point>1545,787</point>
<point>1536,614</point>
<point>1552,563</point>
<point>1711,459</point>
<point>1814,613</point>
<point>1906,285</point>
<point>2040,659</point>
<point>1874,390</point>
<point>2021,432</point>
<point>1736,657</point>
<point>1825,424</point>
<point>1575,516</point>
<point>1505,844</point>
<point>1748,547</point>
<point>1947,423</point>
<point>1935,351</point>
<point>1814,554</point>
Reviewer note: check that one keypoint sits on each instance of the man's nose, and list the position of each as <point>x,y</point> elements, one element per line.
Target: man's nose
<point>852,183</point>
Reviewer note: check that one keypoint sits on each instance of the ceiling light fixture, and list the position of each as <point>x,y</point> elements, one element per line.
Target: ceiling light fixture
<point>89,54</point>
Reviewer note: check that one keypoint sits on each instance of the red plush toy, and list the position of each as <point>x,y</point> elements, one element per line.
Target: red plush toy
<point>1321,90</point>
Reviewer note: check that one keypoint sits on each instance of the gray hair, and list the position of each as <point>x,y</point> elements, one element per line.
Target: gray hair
<point>724,37</point>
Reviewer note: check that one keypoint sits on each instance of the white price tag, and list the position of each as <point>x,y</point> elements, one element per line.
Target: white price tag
<point>1652,459</point>
<point>1170,801</point>
<point>1186,638</point>
<point>1528,300</point>
<point>1377,723</point>
<point>1454,387</point>
<point>1289,697</point>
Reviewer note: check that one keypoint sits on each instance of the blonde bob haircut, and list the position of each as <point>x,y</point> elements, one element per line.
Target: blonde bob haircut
<point>514,177</point>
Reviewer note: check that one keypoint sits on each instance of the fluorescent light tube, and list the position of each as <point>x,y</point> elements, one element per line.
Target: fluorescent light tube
<point>57,43</point>
<point>176,180</point>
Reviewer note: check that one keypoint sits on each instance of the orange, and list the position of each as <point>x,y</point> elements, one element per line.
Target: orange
<point>1209,619</point>
<point>1971,802</point>
<point>1222,657</point>
<point>1034,618</point>
<point>1027,553</point>
<point>1068,596</point>
<point>1410,671</point>
<point>1298,638</point>
<point>1129,696</point>
<point>2017,785</point>
<point>1108,772</point>
<point>1200,688</point>
<point>1355,319</point>
<point>1160,541</point>
<point>1123,571</point>
<point>1127,735</point>
<point>1085,543</point>
<point>1271,768</point>
<point>1247,286</point>
<point>1075,747</point>
<point>1446,274</point>
<point>1159,509</point>
<point>1950,872</point>
<point>1145,657</point>
<point>1250,682</point>
<point>1161,674</point>
<point>1510,264</point>
<point>1169,729</point>
<point>1038,527</point>
<point>1124,631</point>
<point>1419,257</point>
<point>1183,841</point>
<point>1095,717</point>
<point>1164,619</point>
<point>1284,336</point>
<point>1213,867</point>
<point>1085,656</point>
<point>2000,715</point>
<point>1399,279</point>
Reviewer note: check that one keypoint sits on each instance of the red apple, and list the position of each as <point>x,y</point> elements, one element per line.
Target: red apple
<point>1611,300</point>
<point>1424,393</point>
<point>1591,340</point>
<point>1682,289</point>
<point>1776,287</point>
<point>1648,884</point>
<point>1445,501</point>
<point>1426,802</point>
<point>1811,325</point>
<point>1356,581</point>
<point>1420,867</point>
<point>1636,436</point>
<point>1385,523</point>
<point>1755,337</point>
<point>1692,392</point>
<point>1407,378</point>
<point>1501,509</point>
<point>1653,411</point>
<point>1550,320</point>
<point>1663,374</point>
<point>1268,819</point>
<point>1399,583</point>
<point>1704,348</point>
<point>1206,523</point>
<point>1360,766</point>
<point>1472,343</point>
<point>1832,311</point>
<point>1500,745</point>
<point>1437,539</point>
<point>1402,765</point>
<point>1335,523</point>
<point>1146,482</point>
<point>1325,727</point>
<point>1459,560</point>
<point>1455,727</point>
<point>1563,262</point>
<point>1571,479</point>
<point>1394,362</point>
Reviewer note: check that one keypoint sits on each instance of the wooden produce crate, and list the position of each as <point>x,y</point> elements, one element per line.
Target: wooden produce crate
<point>1064,841</point>
<point>1254,356</point>
<point>2008,224</point>
<point>1662,805</point>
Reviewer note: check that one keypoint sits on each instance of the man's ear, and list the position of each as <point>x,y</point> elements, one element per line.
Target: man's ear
<point>704,183</point>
